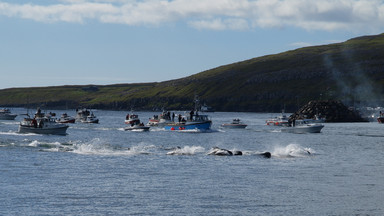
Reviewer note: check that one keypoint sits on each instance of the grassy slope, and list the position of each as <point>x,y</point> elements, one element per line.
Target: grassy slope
<point>337,71</point>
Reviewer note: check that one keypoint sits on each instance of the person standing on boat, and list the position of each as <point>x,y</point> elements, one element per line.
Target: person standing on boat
<point>179,118</point>
<point>191,114</point>
<point>173,116</point>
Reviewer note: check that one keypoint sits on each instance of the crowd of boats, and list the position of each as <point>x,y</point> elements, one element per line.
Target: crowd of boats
<point>42,123</point>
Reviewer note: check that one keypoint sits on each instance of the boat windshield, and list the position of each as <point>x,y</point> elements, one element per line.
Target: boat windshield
<point>200,118</point>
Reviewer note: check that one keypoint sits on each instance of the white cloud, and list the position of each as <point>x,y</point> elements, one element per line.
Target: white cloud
<point>300,44</point>
<point>329,15</point>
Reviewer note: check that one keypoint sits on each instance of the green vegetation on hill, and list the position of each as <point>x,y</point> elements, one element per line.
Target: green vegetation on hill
<point>352,71</point>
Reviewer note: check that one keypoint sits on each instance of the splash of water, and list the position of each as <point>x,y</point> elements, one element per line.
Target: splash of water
<point>292,150</point>
<point>186,150</point>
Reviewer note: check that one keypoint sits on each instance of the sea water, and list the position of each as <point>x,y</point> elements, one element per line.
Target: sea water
<point>100,169</point>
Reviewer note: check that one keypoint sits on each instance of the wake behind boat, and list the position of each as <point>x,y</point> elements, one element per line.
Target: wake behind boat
<point>5,114</point>
<point>42,124</point>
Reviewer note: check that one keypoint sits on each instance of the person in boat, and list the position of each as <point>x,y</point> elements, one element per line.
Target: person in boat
<point>179,118</point>
<point>41,124</point>
<point>191,114</point>
<point>173,116</point>
<point>127,117</point>
<point>34,123</point>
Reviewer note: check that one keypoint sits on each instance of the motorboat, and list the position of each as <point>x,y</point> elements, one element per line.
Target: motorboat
<point>206,108</point>
<point>82,114</point>
<point>42,124</point>
<point>132,119</point>
<point>197,122</point>
<point>139,127</point>
<point>302,126</point>
<point>154,121</point>
<point>92,119</point>
<point>164,118</point>
<point>65,118</point>
<point>236,123</point>
<point>135,123</point>
<point>281,120</point>
<point>5,114</point>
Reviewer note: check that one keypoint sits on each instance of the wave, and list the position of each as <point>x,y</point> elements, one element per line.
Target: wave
<point>9,122</point>
<point>15,133</point>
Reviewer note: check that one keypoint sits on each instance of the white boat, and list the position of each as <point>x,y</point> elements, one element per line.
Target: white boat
<point>132,119</point>
<point>281,120</point>
<point>135,123</point>
<point>82,114</point>
<point>164,118</point>
<point>90,119</point>
<point>139,127</point>
<point>5,114</point>
<point>301,126</point>
<point>65,118</point>
<point>42,124</point>
<point>206,108</point>
<point>236,123</point>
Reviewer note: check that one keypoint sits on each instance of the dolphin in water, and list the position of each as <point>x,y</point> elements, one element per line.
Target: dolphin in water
<point>222,152</point>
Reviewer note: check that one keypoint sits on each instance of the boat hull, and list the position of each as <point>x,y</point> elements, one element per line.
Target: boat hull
<point>139,128</point>
<point>303,129</point>
<point>189,126</point>
<point>62,130</point>
<point>66,121</point>
<point>380,120</point>
<point>234,126</point>
<point>8,117</point>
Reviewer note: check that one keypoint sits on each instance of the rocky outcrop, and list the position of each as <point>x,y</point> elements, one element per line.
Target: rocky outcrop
<point>332,111</point>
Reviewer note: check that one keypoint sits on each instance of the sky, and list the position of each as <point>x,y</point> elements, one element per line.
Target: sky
<point>101,42</point>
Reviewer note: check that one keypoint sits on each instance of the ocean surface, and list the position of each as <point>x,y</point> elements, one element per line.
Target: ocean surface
<point>100,169</point>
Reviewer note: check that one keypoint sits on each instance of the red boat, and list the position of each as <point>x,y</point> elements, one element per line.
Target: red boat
<point>66,119</point>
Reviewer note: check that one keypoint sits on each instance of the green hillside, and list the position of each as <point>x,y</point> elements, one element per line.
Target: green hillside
<point>352,71</point>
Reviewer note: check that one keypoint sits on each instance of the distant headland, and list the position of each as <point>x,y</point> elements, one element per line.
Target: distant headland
<point>351,72</point>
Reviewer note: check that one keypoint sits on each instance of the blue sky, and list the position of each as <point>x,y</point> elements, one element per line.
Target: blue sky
<point>76,42</point>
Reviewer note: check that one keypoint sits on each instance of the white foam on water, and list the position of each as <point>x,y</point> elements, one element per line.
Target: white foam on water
<point>157,129</point>
<point>19,134</point>
<point>143,148</point>
<point>10,122</point>
<point>98,146</point>
<point>36,143</point>
<point>292,150</point>
<point>186,150</point>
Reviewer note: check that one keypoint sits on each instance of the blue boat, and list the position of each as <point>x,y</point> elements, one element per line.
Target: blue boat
<point>197,122</point>
<point>193,121</point>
